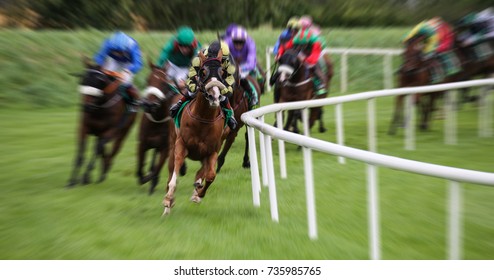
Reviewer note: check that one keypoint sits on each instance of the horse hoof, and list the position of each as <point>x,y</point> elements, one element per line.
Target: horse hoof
<point>183,170</point>
<point>322,129</point>
<point>71,184</point>
<point>166,212</point>
<point>151,189</point>
<point>195,199</point>
<point>246,164</point>
<point>86,180</point>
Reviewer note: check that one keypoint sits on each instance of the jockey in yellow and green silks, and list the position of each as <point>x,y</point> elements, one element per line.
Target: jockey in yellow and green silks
<point>431,38</point>
<point>438,36</point>
<point>177,54</point>
<point>228,81</point>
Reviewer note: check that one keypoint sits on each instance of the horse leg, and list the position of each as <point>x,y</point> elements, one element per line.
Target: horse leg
<point>86,179</point>
<point>228,144</point>
<point>141,155</point>
<point>107,159</point>
<point>246,163</point>
<point>297,115</point>
<point>315,114</point>
<point>157,169</point>
<point>397,115</point>
<point>179,156</point>
<point>425,111</point>
<point>320,111</point>
<point>79,160</point>
<point>152,163</point>
<point>289,120</point>
<point>207,174</point>
<point>183,169</point>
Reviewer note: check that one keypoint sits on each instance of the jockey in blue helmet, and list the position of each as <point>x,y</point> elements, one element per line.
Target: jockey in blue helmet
<point>292,27</point>
<point>120,53</point>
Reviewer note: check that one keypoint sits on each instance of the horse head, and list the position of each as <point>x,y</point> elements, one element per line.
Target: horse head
<point>211,78</point>
<point>96,85</point>
<point>413,55</point>
<point>159,88</point>
<point>289,64</point>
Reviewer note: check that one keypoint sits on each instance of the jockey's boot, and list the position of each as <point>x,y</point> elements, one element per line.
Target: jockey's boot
<point>320,81</point>
<point>252,96</point>
<point>176,107</point>
<point>228,111</point>
<point>135,100</point>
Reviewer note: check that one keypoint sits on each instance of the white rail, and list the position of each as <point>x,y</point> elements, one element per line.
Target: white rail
<point>344,52</point>
<point>373,159</point>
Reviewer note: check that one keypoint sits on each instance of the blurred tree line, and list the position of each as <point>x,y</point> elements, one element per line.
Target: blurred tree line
<point>214,14</point>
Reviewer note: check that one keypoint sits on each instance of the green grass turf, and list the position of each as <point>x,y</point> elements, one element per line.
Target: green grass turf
<point>116,219</point>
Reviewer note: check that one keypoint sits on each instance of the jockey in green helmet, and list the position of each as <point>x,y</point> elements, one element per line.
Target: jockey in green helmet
<point>177,54</point>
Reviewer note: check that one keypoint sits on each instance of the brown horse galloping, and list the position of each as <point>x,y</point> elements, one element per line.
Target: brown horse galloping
<point>293,84</point>
<point>415,71</point>
<point>156,125</point>
<point>103,115</point>
<point>240,105</point>
<point>202,130</point>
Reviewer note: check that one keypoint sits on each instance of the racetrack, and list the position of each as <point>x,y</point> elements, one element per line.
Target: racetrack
<point>40,219</point>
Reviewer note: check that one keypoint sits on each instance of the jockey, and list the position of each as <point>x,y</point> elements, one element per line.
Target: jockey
<point>228,31</point>
<point>310,45</point>
<point>228,81</point>
<point>177,54</point>
<point>438,38</point>
<point>243,50</point>
<point>120,53</point>
<point>292,27</point>
<point>476,27</point>
<point>306,22</point>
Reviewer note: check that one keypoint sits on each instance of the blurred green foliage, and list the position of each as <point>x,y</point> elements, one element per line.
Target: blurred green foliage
<point>36,67</point>
<point>213,14</point>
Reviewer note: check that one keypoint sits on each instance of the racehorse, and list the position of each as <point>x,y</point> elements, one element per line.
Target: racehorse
<point>200,133</point>
<point>261,80</point>
<point>417,71</point>
<point>479,61</point>
<point>103,115</point>
<point>293,84</point>
<point>240,105</point>
<point>156,125</point>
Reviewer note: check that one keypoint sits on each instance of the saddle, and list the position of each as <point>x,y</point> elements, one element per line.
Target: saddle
<point>482,51</point>
<point>449,64</point>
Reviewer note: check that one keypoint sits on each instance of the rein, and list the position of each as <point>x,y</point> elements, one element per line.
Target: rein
<point>110,103</point>
<point>220,115</point>
<point>290,84</point>
<point>151,118</point>
<point>239,102</point>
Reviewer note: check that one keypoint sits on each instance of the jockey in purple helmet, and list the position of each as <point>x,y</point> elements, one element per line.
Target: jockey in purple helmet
<point>120,53</point>
<point>228,31</point>
<point>243,50</point>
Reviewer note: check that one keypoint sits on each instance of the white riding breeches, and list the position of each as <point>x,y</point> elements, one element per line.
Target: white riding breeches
<point>177,73</point>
